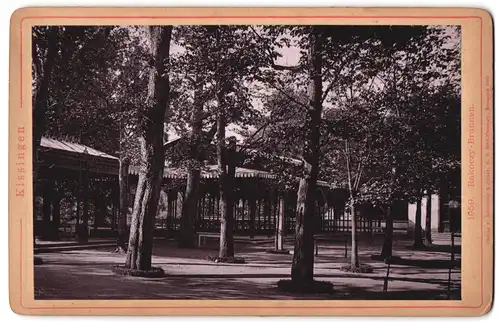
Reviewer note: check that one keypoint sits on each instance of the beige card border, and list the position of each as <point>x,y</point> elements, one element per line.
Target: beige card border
<point>477,156</point>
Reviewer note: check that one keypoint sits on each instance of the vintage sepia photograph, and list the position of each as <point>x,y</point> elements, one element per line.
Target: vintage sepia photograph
<point>247,162</point>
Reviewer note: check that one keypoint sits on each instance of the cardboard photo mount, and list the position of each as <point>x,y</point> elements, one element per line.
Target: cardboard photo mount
<point>477,159</point>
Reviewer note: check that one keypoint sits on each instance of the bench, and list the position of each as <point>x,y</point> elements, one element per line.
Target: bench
<point>67,230</point>
<point>399,227</point>
<point>203,237</point>
<point>322,238</point>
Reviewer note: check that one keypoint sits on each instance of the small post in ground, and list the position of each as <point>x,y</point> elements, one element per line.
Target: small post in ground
<point>386,280</point>
<point>452,263</point>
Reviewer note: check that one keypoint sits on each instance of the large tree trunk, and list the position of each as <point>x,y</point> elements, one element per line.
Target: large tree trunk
<point>41,95</point>
<point>227,170</point>
<point>226,248</point>
<point>189,209</point>
<point>190,205</point>
<point>151,129</point>
<point>354,236</point>
<point>428,219</point>
<point>417,233</point>
<point>303,256</point>
<point>43,77</point>
<point>121,243</point>
<point>388,233</point>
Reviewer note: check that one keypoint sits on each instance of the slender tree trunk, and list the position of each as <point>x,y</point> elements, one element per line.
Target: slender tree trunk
<point>428,219</point>
<point>151,129</point>
<point>121,243</point>
<point>354,236</point>
<point>303,256</point>
<point>417,233</point>
<point>388,233</point>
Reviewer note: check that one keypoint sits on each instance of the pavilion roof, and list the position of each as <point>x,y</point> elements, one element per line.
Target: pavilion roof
<point>211,172</point>
<point>208,171</point>
<point>73,147</point>
<point>71,156</point>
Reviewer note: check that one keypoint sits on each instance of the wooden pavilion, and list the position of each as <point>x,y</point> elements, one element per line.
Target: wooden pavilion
<point>75,174</point>
<point>93,195</point>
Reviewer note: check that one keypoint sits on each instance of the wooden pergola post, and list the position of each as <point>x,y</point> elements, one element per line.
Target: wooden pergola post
<point>48,192</point>
<point>252,201</point>
<point>77,200</point>
<point>83,231</point>
<point>267,210</point>
<point>167,203</point>
<point>56,215</point>
<point>100,211</point>
<point>280,223</point>
<point>114,199</point>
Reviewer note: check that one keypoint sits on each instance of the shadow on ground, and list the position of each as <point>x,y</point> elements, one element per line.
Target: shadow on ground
<point>89,284</point>
<point>86,274</point>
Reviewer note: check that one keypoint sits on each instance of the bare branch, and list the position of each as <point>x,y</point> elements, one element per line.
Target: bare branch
<point>381,79</point>
<point>289,68</point>
<point>361,169</point>
<point>259,129</point>
<point>291,98</point>
<point>347,159</point>
<point>373,79</point>
<point>333,82</point>
<point>262,127</point>
<point>211,132</point>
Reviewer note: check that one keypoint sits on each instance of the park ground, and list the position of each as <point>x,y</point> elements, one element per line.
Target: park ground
<point>86,273</point>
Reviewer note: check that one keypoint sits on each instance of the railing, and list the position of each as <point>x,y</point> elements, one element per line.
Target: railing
<point>269,225</point>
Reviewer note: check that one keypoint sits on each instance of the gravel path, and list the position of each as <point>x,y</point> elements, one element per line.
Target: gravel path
<point>86,274</point>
